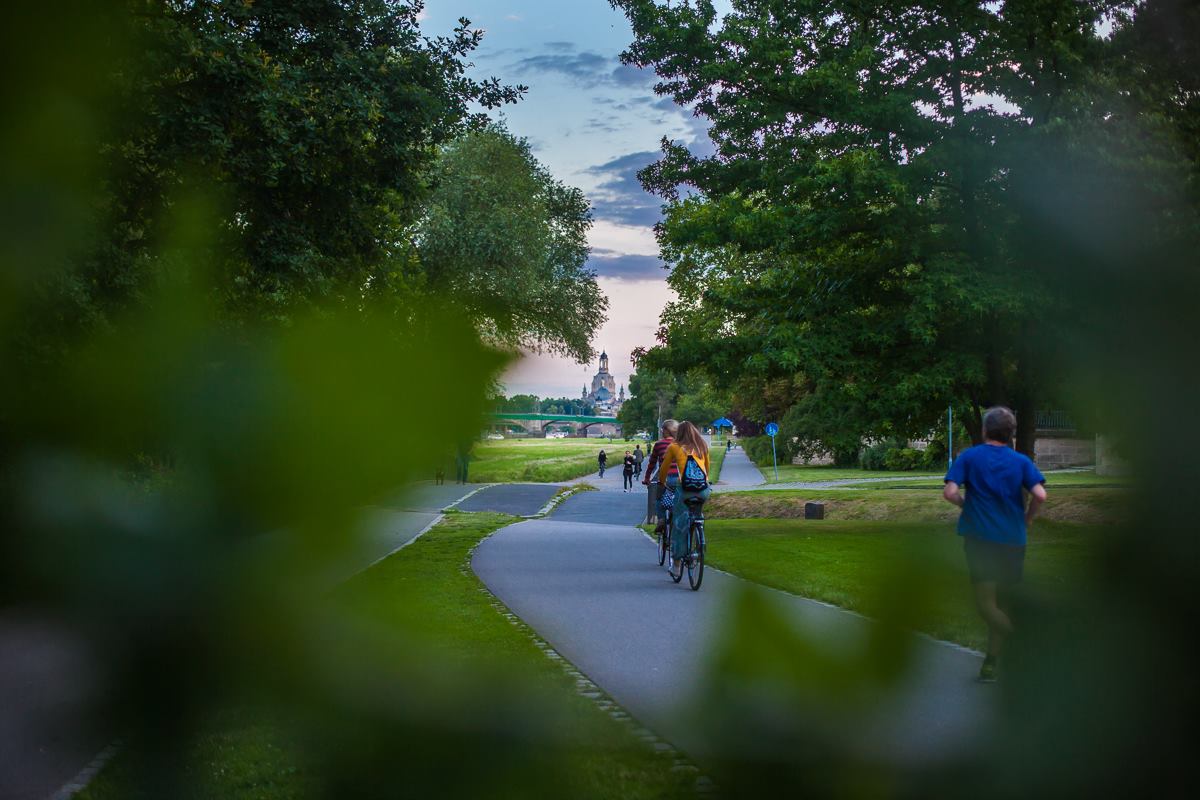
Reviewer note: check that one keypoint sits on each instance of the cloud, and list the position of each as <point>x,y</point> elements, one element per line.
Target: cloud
<point>611,264</point>
<point>581,67</point>
<point>586,68</point>
<point>513,17</point>
<point>619,197</point>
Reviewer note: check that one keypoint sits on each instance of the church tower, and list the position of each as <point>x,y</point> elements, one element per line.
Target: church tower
<point>604,388</point>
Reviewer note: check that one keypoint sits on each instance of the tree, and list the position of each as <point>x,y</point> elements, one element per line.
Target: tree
<point>312,122</point>
<point>652,396</point>
<point>508,243</point>
<point>871,218</point>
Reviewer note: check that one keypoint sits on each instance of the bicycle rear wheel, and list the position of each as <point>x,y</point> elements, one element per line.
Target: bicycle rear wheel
<point>676,571</point>
<point>663,546</point>
<point>695,565</point>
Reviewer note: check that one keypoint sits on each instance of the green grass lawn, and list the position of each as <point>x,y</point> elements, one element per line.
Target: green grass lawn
<point>554,460</point>
<point>1075,504</point>
<point>801,473</point>
<point>872,567</point>
<point>716,457</point>
<point>1082,479</point>
<point>467,674</point>
<point>541,460</point>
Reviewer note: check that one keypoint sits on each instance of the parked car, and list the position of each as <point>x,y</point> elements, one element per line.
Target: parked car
<point>556,435</point>
<point>496,436</point>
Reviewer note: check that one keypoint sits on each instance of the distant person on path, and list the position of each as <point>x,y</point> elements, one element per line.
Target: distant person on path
<point>638,455</point>
<point>994,521</point>
<point>689,443</point>
<point>627,471</point>
<point>654,492</point>
<point>462,461</point>
<point>602,459</point>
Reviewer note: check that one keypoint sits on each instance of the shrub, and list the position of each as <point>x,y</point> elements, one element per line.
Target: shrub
<point>892,454</point>
<point>874,456</point>
<point>904,458</point>
<point>758,448</point>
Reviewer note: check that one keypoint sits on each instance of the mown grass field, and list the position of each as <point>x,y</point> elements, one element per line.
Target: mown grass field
<point>554,460</point>
<point>1075,479</point>
<point>877,567</point>
<point>1072,504</point>
<point>466,673</point>
<point>541,460</point>
<point>801,473</point>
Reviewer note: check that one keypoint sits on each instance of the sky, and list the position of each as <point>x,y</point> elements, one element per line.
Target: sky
<point>594,123</point>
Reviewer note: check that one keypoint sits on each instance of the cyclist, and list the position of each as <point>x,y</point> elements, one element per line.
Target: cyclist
<point>689,443</point>
<point>655,495</point>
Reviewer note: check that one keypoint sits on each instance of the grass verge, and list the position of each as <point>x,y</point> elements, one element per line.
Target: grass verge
<point>426,601</point>
<point>1091,506</point>
<point>867,565</point>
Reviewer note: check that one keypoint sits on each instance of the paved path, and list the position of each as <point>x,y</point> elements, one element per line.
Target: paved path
<point>594,592</point>
<point>738,471</point>
<point>614,508</point>
<point>520,499</point>
<point>429,496</point>
<point>47,684</point>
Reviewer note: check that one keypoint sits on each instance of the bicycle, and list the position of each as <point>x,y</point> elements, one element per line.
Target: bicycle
<point>693,560</point>
<point>696,546</point>
<point>664,538</point>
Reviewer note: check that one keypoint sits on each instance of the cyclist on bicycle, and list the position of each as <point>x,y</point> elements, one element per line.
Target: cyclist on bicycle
<point>689,443</point>
<point>655,494</point>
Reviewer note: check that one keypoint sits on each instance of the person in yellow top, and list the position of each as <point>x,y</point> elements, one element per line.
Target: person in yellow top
<point>688,442</point>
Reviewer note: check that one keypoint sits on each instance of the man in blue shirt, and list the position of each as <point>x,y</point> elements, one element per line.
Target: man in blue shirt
<point>994,520</point>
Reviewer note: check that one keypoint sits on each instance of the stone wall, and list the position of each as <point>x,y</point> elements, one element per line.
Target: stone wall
<point>1057,452</point>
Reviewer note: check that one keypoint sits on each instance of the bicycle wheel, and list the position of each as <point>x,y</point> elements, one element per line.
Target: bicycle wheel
<point>695,565</point>
<point>663,546</point>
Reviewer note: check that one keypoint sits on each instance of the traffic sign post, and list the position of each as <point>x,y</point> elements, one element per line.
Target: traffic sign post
<point>773,429</point>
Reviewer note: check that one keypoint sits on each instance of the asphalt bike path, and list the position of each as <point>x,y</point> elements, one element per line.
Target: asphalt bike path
<point>738,471</point>
<point>587,581</point>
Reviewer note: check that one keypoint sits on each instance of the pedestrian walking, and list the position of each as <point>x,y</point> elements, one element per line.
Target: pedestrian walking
<point>994,522</point>
<point>638,455</point>
<point>653,491</point>
<point>627,471</point>
<point>602,459</point>
<point>462,461</point>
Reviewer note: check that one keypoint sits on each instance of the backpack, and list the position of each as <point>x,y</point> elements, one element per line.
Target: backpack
<point>693,478</point>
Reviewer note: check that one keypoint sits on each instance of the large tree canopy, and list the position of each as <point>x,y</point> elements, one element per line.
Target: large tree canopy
<point>508,243</point>
<point>877,224</point>
<point>314,120</point>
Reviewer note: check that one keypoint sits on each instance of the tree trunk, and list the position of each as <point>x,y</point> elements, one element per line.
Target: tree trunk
<point>1026,412</point>
<point>973,422</point>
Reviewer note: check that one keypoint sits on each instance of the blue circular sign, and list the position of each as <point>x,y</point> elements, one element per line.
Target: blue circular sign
<point>772,429</point>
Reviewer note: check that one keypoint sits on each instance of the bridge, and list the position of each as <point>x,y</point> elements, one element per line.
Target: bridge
<point>537,423</point>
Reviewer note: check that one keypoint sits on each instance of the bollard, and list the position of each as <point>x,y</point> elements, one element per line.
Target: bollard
<point>814,511</point>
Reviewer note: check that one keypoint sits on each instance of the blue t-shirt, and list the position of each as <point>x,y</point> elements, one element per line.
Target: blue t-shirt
<point>994,476</point>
